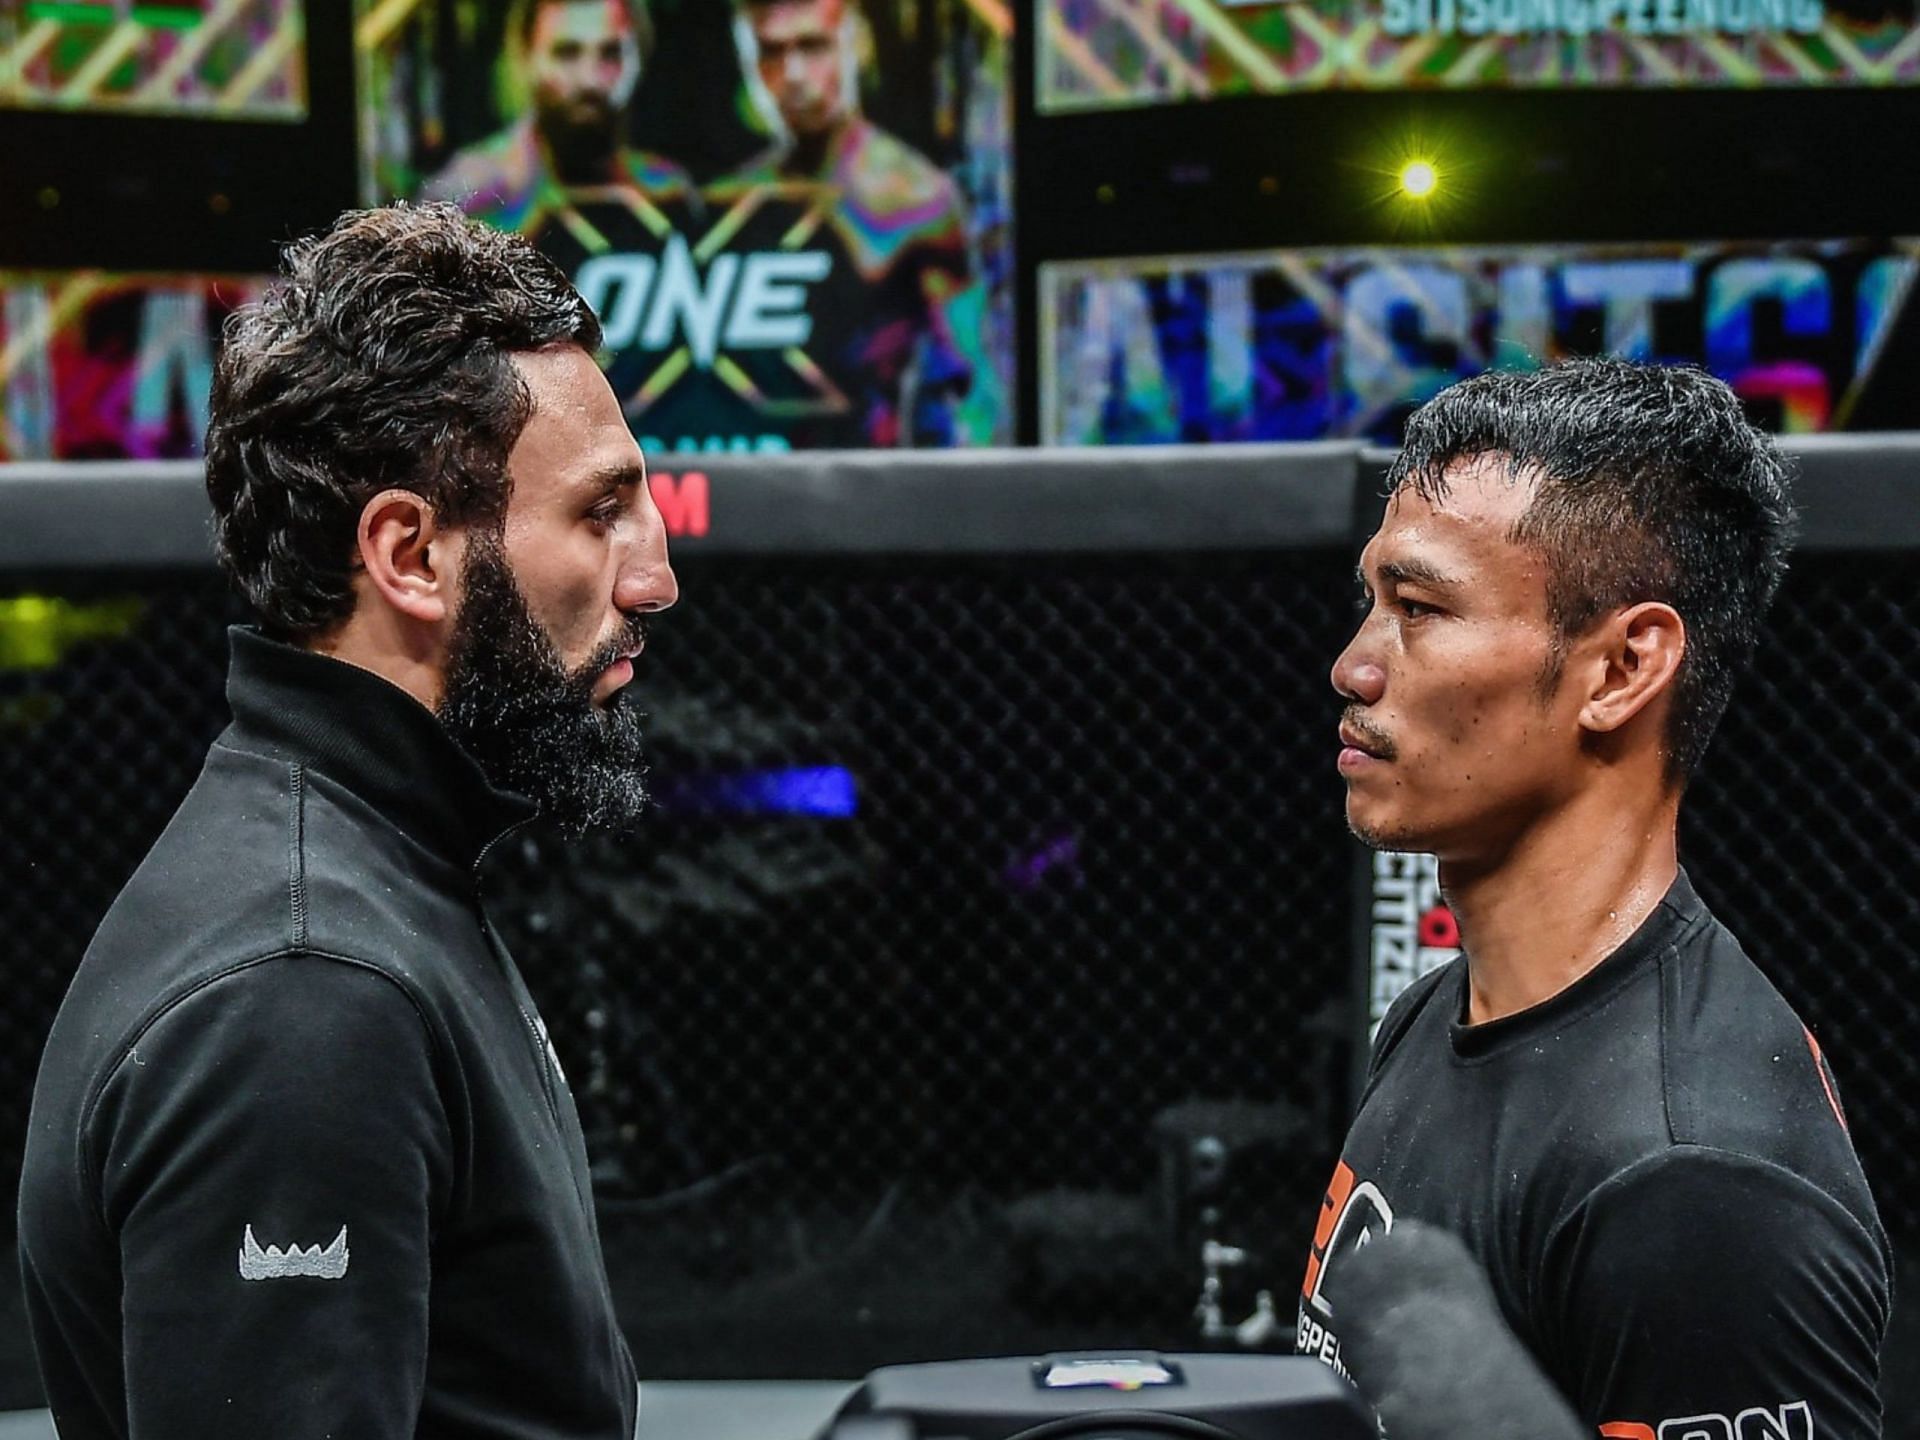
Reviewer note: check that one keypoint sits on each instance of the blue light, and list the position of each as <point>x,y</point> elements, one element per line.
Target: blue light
<point>825,791</point>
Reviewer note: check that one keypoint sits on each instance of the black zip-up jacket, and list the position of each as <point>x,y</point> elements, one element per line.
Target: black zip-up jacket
<point>302,1162</point>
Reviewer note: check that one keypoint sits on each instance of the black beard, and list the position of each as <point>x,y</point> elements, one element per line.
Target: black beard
<point>530,725</point>
<point>582,141</point>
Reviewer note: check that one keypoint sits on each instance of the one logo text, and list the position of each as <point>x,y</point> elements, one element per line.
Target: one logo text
<point>739,302</point>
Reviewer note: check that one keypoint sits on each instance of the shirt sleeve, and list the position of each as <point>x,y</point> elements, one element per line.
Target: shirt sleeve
<point>1401,1013</point>
<point>272,1154</point>
<point>1706,1286</point>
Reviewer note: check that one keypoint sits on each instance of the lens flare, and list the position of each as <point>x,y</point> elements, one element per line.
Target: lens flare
<point>1418,179</point>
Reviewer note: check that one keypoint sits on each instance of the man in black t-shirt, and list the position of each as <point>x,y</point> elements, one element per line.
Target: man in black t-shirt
<point>1619,1115</point>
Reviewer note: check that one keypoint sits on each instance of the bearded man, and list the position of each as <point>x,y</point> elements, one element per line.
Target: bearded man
<point>577,63</point>
<point>302,1162</point>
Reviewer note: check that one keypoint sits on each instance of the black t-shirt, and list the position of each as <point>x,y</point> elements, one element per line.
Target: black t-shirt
<point>1654,1168</point>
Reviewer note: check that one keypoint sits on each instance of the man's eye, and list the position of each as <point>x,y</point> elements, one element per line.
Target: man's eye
<point>567,50</point>
<point>1413,609</point>
<point>605,512</point>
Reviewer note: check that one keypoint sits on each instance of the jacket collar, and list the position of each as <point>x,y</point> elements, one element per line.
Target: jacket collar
<point>369,736</point>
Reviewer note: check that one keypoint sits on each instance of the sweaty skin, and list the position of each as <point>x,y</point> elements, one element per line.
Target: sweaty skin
<point>1545,799</point>
<point>585,540</point>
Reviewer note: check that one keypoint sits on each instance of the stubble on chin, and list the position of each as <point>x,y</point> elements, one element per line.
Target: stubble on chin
<point>1377,835</point>
<point>1368,836</point>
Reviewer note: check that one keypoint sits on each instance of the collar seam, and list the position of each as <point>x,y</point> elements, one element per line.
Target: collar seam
<point>1654,964</point>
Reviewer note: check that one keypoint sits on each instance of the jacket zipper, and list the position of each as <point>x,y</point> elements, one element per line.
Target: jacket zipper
<point>497,949</point>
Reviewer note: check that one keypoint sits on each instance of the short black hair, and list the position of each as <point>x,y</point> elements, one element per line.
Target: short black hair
<point>382,361</point>
<point>1651,485</point>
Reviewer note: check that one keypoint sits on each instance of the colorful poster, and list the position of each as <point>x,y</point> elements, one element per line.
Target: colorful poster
<point>225,59</point>
<point>1321,344</point>
<point>100,366</point>
<point>792,216</point>
<point>1099,54</point>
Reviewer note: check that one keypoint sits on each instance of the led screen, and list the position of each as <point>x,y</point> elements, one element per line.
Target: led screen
<point>793,220</point>
<point>1309,344</point>
<point>230,59</point>
<point>100,366</point>
<point>1096,54</point>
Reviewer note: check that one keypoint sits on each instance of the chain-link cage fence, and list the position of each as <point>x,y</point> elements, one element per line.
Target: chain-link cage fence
<point>978,895</point>
<point>1803,834</point>
<point>990,952</point>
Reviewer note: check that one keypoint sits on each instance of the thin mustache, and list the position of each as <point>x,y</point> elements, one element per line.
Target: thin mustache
<point>1355,719</point>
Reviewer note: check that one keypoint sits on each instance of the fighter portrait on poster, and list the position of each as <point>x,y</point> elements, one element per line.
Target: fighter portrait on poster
<point>804,247</point>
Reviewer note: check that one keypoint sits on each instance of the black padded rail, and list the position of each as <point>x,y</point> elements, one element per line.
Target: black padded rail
<point>1859,492</point>
<point>104,515</point>
<point>133,515</point>
<point>1856,492</point>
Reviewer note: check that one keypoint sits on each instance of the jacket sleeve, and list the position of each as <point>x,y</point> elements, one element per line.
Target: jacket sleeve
<point>272,1153</point>
<point>1725,1291</point>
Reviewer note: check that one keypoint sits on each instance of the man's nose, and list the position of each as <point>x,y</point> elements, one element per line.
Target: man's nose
<point>646,582</point>
<point>1356,675</point>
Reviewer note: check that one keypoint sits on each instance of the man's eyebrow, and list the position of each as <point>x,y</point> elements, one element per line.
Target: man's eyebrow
<point>1417,572</point>
<point>612,477</point>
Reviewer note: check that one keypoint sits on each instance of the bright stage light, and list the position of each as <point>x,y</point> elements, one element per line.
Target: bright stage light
<point>1418,179</point>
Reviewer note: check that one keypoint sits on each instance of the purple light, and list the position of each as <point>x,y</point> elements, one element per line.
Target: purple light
<point>1025,872</point>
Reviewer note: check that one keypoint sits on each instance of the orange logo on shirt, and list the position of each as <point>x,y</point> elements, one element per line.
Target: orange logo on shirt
<point>1338,1189</point>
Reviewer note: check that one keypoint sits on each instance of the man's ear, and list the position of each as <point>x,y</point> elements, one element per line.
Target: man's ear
<point>408,557</point>
<point>1642,647</point>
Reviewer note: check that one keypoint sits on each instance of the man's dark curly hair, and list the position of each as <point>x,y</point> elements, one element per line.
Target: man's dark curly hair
<point>382,361</point>
<point>1651,485</point>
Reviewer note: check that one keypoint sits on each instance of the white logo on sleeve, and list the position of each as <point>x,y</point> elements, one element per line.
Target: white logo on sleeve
<point>273,1263</point>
